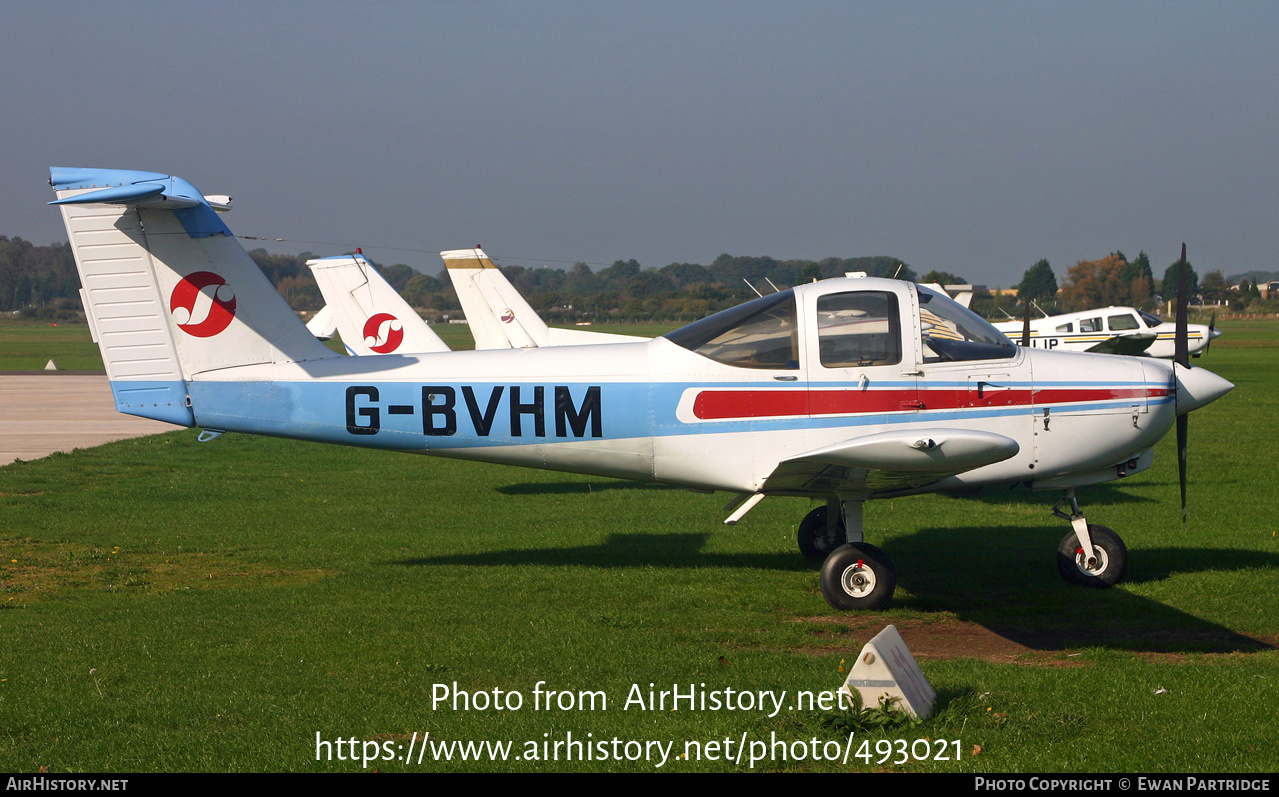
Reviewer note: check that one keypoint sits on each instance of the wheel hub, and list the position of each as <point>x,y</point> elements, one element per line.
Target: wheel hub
<point>1095,565</point>
<point>858,580</point>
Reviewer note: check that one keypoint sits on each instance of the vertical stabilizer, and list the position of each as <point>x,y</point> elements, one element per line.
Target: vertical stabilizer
<point>498,316</point>
<point>168,290</point>
<point>371,317</point>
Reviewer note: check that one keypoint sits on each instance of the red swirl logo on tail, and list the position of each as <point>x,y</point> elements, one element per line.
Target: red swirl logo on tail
<point>383,333</point>
<point>202,304</point>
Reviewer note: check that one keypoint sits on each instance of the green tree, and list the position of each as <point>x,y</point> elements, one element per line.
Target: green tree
<point>1038,283</point>
<point>1169,286</point>
<point>809,273</point>
<point>943,278</point>
<point>1141,280</point>
<point>1214,288</point>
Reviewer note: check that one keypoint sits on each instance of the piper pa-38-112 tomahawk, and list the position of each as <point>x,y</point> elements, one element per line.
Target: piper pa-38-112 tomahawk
<point>1112,330</point>
<point>843,390</point>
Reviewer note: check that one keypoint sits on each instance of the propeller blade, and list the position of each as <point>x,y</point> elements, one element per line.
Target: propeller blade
<point>1183,429</point>
<point>1025,327</point>
<point>1182,358</point>
<point>1182,348</point>
<point>1212,326</point>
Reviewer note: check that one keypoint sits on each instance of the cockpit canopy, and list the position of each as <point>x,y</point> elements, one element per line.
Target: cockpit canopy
<point>854,328</point>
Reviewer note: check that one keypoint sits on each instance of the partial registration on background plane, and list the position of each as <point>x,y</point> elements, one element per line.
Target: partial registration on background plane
<point>369,314</point>
<point>1111,330</point>
<point>841,391</point>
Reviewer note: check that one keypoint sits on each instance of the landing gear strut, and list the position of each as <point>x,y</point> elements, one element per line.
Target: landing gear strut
<point>1090,555</point>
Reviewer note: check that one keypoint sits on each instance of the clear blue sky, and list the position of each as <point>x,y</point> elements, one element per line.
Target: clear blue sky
<point>970,137</point>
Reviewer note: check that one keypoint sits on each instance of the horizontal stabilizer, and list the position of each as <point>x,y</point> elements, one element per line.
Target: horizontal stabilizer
<point>119,195</point>
<point>917,450</point>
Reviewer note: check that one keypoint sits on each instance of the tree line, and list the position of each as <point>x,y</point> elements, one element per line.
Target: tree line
<point>41,281</point>
<point>1116,280</point>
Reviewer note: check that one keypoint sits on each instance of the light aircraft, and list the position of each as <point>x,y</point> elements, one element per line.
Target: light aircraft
<point>1111,330</point>
<point>844,390</point>
<point>370,315</point>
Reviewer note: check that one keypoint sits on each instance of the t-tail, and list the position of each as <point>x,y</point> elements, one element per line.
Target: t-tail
<point>168,291</point>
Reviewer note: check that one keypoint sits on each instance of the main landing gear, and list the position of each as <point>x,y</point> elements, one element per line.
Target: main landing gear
<point>1090,555</point>
<point>855,574</point>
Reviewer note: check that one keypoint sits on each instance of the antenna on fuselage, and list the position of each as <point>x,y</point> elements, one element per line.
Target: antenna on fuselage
<point>752,287</point>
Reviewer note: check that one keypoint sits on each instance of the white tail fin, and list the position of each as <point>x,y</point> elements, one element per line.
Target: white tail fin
<point>168,290</point>
<point>371,317</point>
<point>498,315</point>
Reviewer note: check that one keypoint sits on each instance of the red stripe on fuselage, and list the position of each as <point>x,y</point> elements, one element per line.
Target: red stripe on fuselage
<point>716,405</point>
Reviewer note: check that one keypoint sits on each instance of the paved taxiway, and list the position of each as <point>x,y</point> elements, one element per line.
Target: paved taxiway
<point>44,412</point>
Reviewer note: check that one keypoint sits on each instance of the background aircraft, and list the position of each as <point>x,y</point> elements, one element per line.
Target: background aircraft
<point>369,314</point>
<point>1111,330</point>
<point>843,390</point>
<point>499,316</point>
<point>365,309</point>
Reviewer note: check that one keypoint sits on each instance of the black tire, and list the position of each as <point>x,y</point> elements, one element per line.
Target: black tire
<point>1112,559</point>
<point>814,541</point>
<point>858,576</point>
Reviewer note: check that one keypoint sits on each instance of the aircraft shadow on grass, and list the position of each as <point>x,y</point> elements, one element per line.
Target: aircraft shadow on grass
<point>1004,580</point>
<point>626,551</point>
<point>579,488</point>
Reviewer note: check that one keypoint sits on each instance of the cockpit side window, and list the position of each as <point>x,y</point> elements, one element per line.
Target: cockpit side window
<point>860,328</point>
<point>1119,323</point>
<point>762,333</point>
<point>951,332</point>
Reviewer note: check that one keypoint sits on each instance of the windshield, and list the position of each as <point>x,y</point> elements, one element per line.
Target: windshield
<point>759,334</point>
<point>951,332</point>
<point>1151,321</point>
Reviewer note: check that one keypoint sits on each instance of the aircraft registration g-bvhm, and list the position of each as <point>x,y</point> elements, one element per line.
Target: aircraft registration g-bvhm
<point>843,390</point>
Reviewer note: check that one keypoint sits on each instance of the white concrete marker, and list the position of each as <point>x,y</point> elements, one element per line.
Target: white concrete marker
<point>885,667</point>
<point>51,366</point>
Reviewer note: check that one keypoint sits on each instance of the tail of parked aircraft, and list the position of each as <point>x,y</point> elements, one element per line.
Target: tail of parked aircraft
<point>371,317</point>
<point>498,315</point>
<point>168,291</point>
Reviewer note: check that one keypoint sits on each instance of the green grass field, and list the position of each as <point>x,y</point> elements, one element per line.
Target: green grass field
<point>179,606</point>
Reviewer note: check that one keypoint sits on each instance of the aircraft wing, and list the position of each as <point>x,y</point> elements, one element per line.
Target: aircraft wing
<point>887,461</point>
<point>1125,344</point>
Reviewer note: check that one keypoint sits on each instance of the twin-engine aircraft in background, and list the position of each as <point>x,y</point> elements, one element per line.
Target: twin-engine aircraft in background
<point>1112,330</point>
<point>843,390</point>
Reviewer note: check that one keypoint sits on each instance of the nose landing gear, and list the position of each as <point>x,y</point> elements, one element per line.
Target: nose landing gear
<point>1090,555</point>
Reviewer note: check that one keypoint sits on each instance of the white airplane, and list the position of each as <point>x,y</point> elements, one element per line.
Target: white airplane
<point>366,309</point>
<point>498,315</point>
<point>844,390</point>
<point>1111,330</point>
<point>370,315</point>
